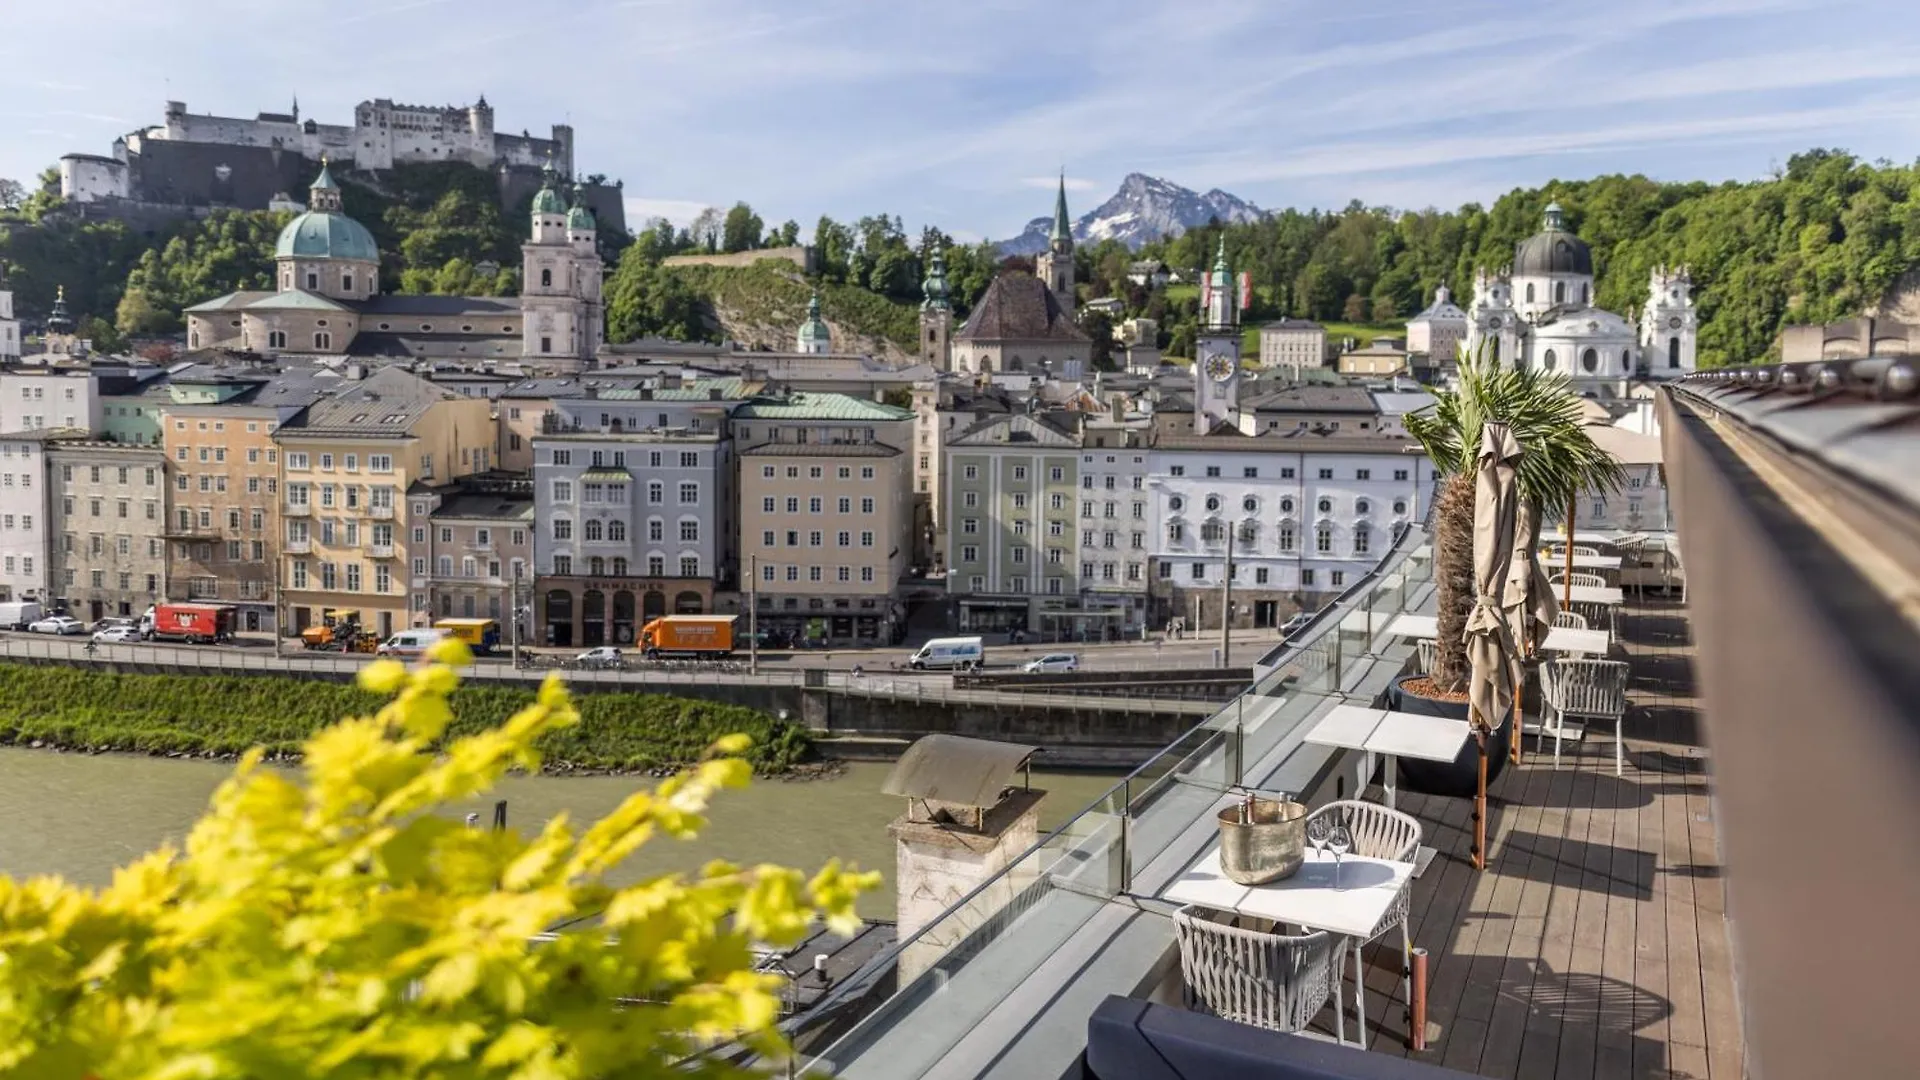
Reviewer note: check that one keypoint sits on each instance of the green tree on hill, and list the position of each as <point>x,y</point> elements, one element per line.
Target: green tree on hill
<point>741,230</point>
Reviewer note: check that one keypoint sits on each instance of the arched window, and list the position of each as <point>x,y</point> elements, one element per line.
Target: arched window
<point>322,340</point>
<point>1586,293</point>
<point>1286,536</point>
<point>1548,360</point>
<point>1673,352</point>
<point>620,570</point>
<point>546,278</point>
<point>1529,292</point>
<point>1626,361</point>
<point>193,339</point>
<point>313,281</point>
<point>346,281</point>
<point>276,339</point>
<point>597,566</point>
<point>1559,292</point>
<point>1323,538</point>
<point>1590,360</point>
<point>1362,539</point>
<point>1212,532</point>
<point>1249,532</point>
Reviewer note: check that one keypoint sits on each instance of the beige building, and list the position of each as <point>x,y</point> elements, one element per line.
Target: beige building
<point>109,501</point>
<point>223,526</point>
<point>476,548</point>
<point>826,514</point>
<point>1293,343</point>
<point>349,467</point>
<point>1020,325</point>
<point>1387,356</point>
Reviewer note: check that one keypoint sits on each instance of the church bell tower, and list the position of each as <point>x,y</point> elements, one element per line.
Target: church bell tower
<point>1216,361</point>
<point>936,316</point>
<point>1055,265</point>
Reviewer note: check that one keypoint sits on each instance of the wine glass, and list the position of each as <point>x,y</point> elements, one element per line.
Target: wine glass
<point>1339,841</point>
<point>1319,828</point>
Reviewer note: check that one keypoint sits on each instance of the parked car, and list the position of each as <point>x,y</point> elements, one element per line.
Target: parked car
<point>110,622</point>
<point>58,624</point>
<point>1296,624</point>
<point>117,635</point>
<point>600,656</point>
<point>1060,661</point>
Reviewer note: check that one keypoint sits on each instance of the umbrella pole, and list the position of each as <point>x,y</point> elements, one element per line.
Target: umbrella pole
<point>1480,806</point>
<point>1519,713</point>
<point>1566,584</point>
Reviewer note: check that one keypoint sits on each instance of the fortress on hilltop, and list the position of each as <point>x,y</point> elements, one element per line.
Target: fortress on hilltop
<point>192,161</point>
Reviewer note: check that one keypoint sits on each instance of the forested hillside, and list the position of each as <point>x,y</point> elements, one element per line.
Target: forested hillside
<point>1825,238</point>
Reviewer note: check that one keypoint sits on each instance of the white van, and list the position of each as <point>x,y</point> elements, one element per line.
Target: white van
<point>949,652</point>
<point>16,615</point>
<point>410,643</point>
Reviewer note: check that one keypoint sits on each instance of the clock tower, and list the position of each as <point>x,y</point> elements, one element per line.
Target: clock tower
<point>1216,363</point>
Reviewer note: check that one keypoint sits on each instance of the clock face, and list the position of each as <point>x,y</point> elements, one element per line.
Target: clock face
<point>1219,367</point>
<point>1493,322</point>
<point>1674,322</point>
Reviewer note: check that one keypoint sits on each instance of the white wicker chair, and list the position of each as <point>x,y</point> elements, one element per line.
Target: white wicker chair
<point>1594,580</point>
<point>1571,620</point>
<point>1379,832</point>
<point>1593,689</point>
<point>1425,650</point>
<point>1253,977</point>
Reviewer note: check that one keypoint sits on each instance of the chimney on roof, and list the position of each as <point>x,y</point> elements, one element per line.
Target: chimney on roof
<point>1118,405</point>
<point>713,393</point>
<point>670,381</point>
<point>355,371</point>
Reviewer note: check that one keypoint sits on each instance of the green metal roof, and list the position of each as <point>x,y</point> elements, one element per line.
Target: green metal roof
<point>323,235</point>
<point>297,301</point>
<point>579,219</point>
<point>548,201</point>
<point>1062,225</point>
<point>821,407</point>
<point>815,328</point>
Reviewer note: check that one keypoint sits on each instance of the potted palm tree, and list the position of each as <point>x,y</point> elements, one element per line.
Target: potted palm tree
<point>1561,459</point>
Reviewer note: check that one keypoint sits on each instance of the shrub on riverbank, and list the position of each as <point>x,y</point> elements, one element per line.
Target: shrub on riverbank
<point>226,714</point>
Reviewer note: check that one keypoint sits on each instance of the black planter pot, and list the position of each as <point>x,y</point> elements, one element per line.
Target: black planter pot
<point>1459,778</point>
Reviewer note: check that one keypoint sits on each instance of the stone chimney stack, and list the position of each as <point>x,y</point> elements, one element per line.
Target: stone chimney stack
<point>965,822</point>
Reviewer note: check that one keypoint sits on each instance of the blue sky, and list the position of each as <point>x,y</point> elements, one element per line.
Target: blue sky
<point>961,114</point>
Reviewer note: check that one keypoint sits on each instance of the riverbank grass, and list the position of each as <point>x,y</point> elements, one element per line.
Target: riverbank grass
<point>79,709</point>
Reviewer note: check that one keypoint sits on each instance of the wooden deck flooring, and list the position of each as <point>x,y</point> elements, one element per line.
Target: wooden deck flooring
<point>1594,945</point>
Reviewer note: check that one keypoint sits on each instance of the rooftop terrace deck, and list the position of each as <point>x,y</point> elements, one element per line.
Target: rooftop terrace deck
<point>1595,944</point>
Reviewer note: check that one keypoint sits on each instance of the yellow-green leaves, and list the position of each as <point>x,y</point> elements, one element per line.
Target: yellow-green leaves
<point>343,923</point>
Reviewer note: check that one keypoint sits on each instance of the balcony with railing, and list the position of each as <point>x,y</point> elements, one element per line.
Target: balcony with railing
<point>380,513</point>
<point>380,551</point>
<point>298,510</point>
<point>301,546</point>
<point>1521,958</point>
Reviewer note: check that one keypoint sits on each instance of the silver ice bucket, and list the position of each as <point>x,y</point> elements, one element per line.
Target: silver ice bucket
<point>1268,846</point>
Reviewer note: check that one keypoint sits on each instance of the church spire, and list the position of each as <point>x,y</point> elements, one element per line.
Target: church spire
<point>935,286</point>
<point>1062,233</point>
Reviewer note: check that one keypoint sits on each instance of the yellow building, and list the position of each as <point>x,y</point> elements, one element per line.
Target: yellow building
<point>357,476</point>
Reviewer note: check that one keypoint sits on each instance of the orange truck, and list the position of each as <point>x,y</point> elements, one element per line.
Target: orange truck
<point>688,635</point>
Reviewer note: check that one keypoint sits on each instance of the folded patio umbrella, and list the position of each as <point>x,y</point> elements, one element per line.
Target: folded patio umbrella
<point>1490,647</point>
<point>1528,600</point>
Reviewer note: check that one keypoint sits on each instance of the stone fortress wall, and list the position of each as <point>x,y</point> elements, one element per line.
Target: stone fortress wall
<point>193,160</point>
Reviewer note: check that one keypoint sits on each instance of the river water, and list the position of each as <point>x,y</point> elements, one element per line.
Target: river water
<point>80,815</point>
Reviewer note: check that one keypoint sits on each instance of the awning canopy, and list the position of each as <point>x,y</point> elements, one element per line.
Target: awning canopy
<point>956,770</point>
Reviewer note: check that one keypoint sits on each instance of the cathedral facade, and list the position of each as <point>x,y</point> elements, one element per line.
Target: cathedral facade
<point>327,299</point>
<point>1539,313</point>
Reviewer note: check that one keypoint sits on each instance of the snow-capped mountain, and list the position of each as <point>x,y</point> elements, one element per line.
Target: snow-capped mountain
<point>1145,208</point>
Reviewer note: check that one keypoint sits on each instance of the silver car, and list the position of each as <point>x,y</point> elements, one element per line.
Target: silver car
<point>1059,661</point>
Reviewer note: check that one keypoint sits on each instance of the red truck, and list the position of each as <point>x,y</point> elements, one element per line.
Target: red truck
<point>194,623</point>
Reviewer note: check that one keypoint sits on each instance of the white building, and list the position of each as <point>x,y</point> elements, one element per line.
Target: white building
<point>1438,332</point>
<point>40,399</point>
<point>9,326</point>
<point>1310,514</point>
<point>1116,522</point>
<point>1293,343</point>
<point>1540,313</point>
<point>23,515</point>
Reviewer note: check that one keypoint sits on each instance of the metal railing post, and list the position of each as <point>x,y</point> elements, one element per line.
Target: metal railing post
<point>1126,835</point>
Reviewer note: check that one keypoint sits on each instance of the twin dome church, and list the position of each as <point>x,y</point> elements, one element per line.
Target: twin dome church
<point>1539,313</point>
<point>328,302</point>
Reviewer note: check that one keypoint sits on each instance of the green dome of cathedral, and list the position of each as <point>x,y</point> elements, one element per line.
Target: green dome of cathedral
<point>580,219</point>
<point>548,201</point>
<point>320,234</point>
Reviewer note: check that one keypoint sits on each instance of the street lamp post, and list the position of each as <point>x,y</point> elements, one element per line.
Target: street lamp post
<point>753,615</point>
<point>1226,604</point>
